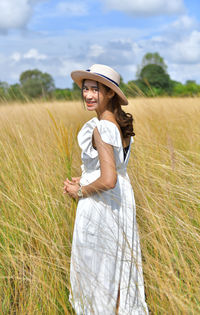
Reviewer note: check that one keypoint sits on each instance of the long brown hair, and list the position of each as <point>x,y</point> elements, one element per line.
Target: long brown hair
<point>124,120</point>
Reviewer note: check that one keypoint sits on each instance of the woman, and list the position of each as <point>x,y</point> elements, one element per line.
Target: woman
<point>106,270</point>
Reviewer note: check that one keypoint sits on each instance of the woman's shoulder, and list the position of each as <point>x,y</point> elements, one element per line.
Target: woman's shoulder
<point>109,132</point>
<point>88,128</point>
<point>109,120</point>
<point>108,129</point>
<point>106,122</point>
<point>113,128</point>
<point>90,123</point>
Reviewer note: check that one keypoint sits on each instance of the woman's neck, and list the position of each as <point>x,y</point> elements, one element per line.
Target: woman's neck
<point>106,114</point>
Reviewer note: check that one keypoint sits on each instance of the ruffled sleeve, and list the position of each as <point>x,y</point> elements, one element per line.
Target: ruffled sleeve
<point>85,139</point>
<point>109,133</point>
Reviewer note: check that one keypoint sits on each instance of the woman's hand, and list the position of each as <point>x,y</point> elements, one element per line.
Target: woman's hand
<point>76,180</point>
<point>71,187</point>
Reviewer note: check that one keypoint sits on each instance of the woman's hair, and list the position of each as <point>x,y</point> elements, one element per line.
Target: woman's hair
<point>125,120</point>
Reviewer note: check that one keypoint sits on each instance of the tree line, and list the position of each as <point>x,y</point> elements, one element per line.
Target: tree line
<point>152,80</point>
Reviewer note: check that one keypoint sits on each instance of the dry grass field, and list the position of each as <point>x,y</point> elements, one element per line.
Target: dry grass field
<point>38,149</point>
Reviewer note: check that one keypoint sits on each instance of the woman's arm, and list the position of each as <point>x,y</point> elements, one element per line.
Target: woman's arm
<point>108,177</point>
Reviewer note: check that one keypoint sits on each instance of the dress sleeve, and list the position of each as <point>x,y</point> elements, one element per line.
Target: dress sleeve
<point>85,139</point>
<point>109,133</point>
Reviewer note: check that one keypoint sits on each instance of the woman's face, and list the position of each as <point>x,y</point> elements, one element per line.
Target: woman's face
<point>96,97</point>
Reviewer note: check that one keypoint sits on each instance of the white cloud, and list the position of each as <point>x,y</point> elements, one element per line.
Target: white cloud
<point>121,48</point>
<point>184,72</point>
<point>16,56</point>
<point>15,14</point>
<point>146,7</point>
<point>188,49</point>
<point>67,66</point>
<point>30,54</point>
<point>95,50</point>
<point>178,28</point>
<point>34,54</point>
<point>72,8</point>
<point>184,22</point>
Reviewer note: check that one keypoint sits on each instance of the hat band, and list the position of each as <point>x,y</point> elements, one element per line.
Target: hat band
<point>104,77</point>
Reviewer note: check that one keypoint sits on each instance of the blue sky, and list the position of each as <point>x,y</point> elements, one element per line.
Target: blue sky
<point>60,36</point>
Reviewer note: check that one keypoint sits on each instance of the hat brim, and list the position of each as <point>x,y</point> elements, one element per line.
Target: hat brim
<point>79,75</point>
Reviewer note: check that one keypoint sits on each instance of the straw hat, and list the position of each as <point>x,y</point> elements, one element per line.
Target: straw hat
<point>102,74</point>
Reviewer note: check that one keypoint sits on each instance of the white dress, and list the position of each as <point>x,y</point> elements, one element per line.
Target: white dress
<point>106,248</point>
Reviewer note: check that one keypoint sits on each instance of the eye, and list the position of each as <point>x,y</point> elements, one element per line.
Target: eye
<point>85,88</point>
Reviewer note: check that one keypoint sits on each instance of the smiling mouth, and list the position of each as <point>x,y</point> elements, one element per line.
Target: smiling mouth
<point>90,103</point>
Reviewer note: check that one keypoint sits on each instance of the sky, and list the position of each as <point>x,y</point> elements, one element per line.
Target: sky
<point>59,36</point>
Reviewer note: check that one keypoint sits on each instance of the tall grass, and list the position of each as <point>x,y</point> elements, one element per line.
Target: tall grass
<point>38,150</point>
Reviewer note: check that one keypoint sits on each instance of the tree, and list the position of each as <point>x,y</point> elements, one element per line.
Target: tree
<point>62,94</point>
<point>155,76</point>
<point>15,93</point>
<point>76,91</point>
<point>123,86</point>
<point>4,86</point>
<point>192,88</point>
<point>190,82</point>
<point>153,59</point>
<point>35,83</point>
<point>152,77</point>
<point>188,89</point>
